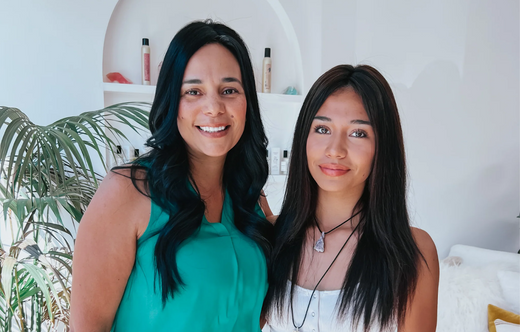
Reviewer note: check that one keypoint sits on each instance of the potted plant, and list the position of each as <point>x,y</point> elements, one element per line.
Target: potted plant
<point>47,179</point>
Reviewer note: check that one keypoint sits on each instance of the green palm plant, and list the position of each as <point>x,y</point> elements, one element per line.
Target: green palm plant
<point>48,177</point>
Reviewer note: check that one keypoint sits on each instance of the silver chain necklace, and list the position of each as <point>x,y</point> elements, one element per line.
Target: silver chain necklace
<point>297,328</point>
<point>319,246</point>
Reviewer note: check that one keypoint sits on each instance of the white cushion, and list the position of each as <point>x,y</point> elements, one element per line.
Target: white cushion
<point>502,326</point>
<point>464,294</point>
<point>474,256</point>
<point>510,284</point>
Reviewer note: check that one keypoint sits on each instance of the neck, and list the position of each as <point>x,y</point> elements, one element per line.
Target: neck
<point>333,208</point>
<point>207,173</point>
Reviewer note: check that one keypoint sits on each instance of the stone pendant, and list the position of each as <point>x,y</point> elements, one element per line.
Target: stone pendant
<point>320,244</point>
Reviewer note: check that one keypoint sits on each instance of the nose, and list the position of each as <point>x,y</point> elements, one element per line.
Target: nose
<point>214,106</point>
<point>336,147</point>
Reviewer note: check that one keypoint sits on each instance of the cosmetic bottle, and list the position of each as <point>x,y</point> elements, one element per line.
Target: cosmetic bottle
<point>118,156</point>
<point>275,161</point>
<point>136,155</point>
<point>266,71</point>
<point>145,62</point>
<point>284,162</point>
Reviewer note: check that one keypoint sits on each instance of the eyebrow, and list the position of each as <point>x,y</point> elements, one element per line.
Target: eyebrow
<point>192,81</point>
<point>225,80</point>
<point>231,79</point>
<point>324,118</point>
<point>363,122</point>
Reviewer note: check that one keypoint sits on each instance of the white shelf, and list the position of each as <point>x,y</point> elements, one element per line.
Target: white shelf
<point>129,88</point>
<point>150,90</point>
<point>279,98</point>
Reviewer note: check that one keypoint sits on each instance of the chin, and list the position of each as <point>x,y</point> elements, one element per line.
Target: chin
<point>216,152</point>
<point>329,185</point>
<point>332,189</point>
<point>334,185</point>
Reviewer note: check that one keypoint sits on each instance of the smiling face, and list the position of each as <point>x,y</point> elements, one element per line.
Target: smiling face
<point>212,108</point>
<point>341,144</point>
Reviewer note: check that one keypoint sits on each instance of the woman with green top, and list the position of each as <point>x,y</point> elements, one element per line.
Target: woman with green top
<point>177,241</point>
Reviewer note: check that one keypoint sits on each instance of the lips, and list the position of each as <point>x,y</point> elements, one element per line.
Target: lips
<point>334,169</point>
<point>213,131</point>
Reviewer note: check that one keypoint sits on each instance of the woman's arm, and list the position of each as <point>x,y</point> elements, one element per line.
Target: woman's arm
<point>264,205</point>
<point>422,311</point>
<point>105,252</point>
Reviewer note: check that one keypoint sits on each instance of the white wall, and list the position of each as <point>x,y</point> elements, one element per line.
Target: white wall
<point>453,65</point>
<point>50,56</point>
<point>454,68</point>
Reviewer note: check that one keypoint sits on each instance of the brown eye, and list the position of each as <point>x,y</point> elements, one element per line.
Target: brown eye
<point>321,130</point>
<point>359,133</point>
<point>230,91</point>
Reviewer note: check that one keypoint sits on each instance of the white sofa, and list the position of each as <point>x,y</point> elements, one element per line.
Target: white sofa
<point>470,279</point>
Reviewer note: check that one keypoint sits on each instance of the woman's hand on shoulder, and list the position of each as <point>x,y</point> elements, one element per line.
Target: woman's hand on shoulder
<point>422,311</point>
<point>104,251</point>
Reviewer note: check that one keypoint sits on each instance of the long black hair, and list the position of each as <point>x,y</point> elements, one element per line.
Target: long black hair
<point>166,166</point>
<point>383,272</point>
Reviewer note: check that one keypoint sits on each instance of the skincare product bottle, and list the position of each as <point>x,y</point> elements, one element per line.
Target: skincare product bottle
<point>118,156</point>
<point>284,163</point>
<point>275,161</point>
<point>145,62</point>
<point>266,72</point>
<point>136,155</point>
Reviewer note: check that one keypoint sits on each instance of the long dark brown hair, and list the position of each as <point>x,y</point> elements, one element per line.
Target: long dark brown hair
<point>383,272</point>
<point>167,167</point>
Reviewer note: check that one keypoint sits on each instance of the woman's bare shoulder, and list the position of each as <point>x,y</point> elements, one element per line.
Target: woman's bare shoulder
<point>117,195</point>
<point>425,243</point>
<point>421,315</point>
<point>105,249</point>
<point>120,180</point>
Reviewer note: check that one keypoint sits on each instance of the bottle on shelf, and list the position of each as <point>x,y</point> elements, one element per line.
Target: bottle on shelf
<point>284,162</point>
<point>136,155</point>
<point>266,71</point>
<point>275,161</point>
<point>145,62</point>
<point>118,158</point>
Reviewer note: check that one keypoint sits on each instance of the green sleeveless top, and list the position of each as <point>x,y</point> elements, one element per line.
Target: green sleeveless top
<point>225,278</point>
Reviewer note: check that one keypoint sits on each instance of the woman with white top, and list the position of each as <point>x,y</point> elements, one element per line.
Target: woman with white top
<point>345,256</point>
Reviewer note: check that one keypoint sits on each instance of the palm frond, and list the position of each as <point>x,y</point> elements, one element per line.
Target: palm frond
<point>48,177</point>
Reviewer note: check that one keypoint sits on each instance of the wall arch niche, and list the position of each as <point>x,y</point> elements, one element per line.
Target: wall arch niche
<point>260,23</point>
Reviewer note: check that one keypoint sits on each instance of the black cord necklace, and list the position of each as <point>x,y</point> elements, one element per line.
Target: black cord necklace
<point>297,328</point>
<point>319,246</point>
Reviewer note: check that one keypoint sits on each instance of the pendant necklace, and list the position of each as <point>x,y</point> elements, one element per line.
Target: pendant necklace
<point>297,328</point>
<point>319,246</point>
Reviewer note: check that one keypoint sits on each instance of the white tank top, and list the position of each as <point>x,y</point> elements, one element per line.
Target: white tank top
<point>321,317</point>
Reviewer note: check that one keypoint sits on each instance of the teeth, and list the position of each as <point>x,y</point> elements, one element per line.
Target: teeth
<point>212,129</point>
